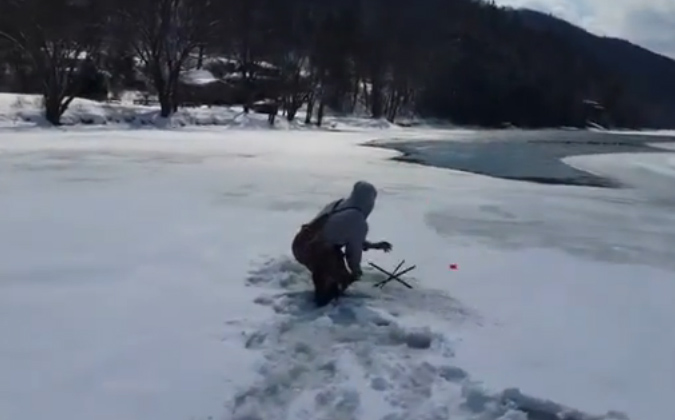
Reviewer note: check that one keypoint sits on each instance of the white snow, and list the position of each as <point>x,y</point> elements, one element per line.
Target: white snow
<point>145,274</point>
<point>197,77</point>
<point>21,110</point>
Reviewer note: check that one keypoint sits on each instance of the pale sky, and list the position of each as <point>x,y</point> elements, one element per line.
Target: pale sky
<point>648,23</point>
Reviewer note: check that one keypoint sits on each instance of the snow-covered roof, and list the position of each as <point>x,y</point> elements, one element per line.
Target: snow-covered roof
<point>197,77</point>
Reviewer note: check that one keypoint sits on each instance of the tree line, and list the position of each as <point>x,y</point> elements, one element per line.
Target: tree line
<point>465,61</point>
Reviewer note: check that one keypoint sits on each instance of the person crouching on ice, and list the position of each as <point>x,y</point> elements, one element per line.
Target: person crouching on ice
<point>318,245</point>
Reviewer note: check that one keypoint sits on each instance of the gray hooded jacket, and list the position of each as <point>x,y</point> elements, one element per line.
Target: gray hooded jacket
<point>349,228</point>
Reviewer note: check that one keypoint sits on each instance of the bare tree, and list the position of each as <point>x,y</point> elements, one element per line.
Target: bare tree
<point>297,84</point>
<point>165,33</point>
<point>246,31</point>
<point>56,37</point>
<point>291,44</point>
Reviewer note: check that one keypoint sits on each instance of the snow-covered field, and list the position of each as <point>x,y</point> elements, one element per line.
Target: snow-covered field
<point>146,275</point>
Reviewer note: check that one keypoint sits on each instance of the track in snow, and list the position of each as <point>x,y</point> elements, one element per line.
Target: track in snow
<point>357,360</point>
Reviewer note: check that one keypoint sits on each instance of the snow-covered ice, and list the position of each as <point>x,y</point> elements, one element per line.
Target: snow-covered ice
<point>146,275</point>
<point>653,174</point>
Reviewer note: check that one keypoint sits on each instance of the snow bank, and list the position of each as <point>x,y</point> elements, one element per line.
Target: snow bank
<point>22,110</point>
<point>27,110</point>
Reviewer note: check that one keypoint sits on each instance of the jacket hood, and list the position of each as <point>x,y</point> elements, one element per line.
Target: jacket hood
<point>362,197</point>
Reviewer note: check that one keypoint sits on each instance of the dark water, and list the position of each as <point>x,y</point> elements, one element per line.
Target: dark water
<point>533,156</point>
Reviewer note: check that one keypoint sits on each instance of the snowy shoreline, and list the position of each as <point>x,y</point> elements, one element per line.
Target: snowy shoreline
<point>25,110</point>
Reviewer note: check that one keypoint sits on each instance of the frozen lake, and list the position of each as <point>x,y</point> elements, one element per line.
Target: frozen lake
<point>145,275</point>
<point>523,155</point>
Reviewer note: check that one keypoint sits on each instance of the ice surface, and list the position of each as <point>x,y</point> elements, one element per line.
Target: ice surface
<point>146,275</point>
<point>653,174</point>
<point>666,146</point>
<point>657,133</point>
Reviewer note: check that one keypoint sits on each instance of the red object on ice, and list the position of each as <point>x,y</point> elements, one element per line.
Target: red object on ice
<point>453,266</point>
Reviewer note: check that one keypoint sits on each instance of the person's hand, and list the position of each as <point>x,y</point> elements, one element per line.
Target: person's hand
<point>384,246</point>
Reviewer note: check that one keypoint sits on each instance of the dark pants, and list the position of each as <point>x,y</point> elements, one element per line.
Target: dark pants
<point>326,263</point>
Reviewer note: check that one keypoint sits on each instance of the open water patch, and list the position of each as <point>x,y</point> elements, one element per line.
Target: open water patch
<point>531,156</point>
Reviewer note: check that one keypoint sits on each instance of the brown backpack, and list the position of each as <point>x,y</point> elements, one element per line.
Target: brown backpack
<point>309,237</point>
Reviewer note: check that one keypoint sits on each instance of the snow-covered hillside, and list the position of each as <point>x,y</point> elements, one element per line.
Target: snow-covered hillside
<point>145,275</point>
